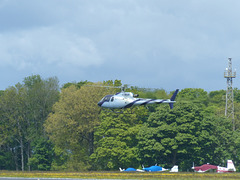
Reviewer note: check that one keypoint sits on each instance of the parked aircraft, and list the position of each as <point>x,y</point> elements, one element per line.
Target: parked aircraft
<point>124,99</point>
<point>150,169</point>
<point>159,168</point>
<point>208,167</point>
<point>230,167</point>
<point>174,169</point>
<point>130,169</point>
<point>154,168</point>
<point>204,168</point>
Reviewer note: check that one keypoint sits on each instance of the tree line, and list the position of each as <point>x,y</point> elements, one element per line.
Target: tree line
<point>45,127</point>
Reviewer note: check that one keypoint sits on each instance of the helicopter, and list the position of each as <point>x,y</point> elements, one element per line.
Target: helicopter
<point>123,100</point>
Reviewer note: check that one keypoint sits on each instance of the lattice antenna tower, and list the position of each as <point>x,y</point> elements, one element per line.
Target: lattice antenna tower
<point>229,75</point>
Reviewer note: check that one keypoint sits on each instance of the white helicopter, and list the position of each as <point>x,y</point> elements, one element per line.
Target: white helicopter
<point>122,100</point>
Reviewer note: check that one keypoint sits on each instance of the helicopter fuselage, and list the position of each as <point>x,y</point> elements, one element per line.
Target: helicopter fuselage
<point>127,99</point>
<point>117,101</point>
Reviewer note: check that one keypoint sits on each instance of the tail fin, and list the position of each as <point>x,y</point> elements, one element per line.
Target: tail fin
<point>121,169</point>
<point>174,169</point>
<point>230,165</point>
<point>173,98</point>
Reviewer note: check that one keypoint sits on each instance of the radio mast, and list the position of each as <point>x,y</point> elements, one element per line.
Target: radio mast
<point>229,75</point>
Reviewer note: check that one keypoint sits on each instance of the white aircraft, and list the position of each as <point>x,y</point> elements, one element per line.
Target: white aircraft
<point>128,99</point>
<point>174,169</point>
<point>230,167</point>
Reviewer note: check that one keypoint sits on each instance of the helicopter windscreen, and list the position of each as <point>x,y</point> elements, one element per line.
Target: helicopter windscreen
<point>105,99</point>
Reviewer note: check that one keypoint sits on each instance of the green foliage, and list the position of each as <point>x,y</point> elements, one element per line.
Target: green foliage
<point>236,93</point>
<point>72,123</point>
<point>218,97</point>
<point>60,159</point>
<point>77,85</point>
<point>193,95</point>
<point>1,92</point>
<point>183,135</point>
<point>6,160</point>
<point>115,83</point>
<point>151,93</point>
<point>116,140</point>
<point>82,137</point>
<point>42,155</point>
<point>24,108</point>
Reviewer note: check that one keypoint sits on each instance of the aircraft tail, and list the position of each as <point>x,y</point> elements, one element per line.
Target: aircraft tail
<point>121,169</point>
<point>193,165</point>
<point>174,169</point>
<point>173,98</point>
<point>230,165</point>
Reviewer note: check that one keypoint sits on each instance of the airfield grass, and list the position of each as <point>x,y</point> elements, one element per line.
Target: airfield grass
<point>119,175</point>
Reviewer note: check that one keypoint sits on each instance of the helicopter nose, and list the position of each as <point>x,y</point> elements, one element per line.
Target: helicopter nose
<point>100,103</point>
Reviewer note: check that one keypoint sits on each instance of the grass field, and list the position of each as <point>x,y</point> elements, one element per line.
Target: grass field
<point>120,175</point>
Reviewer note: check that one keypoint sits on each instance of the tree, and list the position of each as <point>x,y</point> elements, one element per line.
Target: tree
<point>195,95</point>
<point>182,135</point>
<point>24,108</point>
<point>40,97</point>
<point>6,159</point>
<point>71,125</point>
<point>42,156</point>
<point>115,139</point>
<point>12,107</point>
<point>218,97</point>
<point>78,85</point>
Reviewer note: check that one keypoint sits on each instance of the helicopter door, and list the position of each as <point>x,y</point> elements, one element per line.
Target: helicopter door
<point>112,99</point>
<point>112,102</point>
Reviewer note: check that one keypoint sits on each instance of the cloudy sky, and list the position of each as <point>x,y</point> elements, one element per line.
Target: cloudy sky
<point>165,44</point>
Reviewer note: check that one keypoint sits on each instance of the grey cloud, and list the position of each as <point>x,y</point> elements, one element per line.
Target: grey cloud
<point>137,41</point>
<point>47,46</point>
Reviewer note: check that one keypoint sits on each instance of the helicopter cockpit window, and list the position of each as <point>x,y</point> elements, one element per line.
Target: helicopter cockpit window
<point>107,98</point>
<point>112,99</point>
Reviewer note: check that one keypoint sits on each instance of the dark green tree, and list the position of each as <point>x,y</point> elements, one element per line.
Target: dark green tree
<point>194,95</point>
<point>24,108</point>
<point>42,155</point>
<point>115,139</point>
<point>183,135</point>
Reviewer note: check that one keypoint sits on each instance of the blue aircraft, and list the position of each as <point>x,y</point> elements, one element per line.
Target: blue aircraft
<point>154,168</point>
<point>130,169</point>
<point>150,169</point>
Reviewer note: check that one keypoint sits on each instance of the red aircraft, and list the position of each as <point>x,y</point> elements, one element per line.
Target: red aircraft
<point>204,168</point>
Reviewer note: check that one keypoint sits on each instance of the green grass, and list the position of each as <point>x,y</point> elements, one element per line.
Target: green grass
<point>120,175</point>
